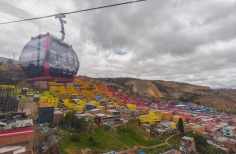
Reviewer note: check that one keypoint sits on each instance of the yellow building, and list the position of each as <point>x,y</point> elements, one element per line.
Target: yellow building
<point>18,90</point>
<point>43,100</point>
<point>47,94</point>
<point>81,102</point>
<point>30,92</point>
<point>70,105</point>
<point>173,126</point>
<point>78,108</point>
<point>95,103</point>
<point>53,101</point>
<point>153,112</point>
<point>132,107</point>
<point>22,97</point>
<point>66,102</point>
<point>8,86</point>
<point>100,107</point>
<point>150,118</point>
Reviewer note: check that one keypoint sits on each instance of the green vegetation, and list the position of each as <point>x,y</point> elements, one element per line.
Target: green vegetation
<point>174,141</point>
<point>99,141</point>
<point>134,135</point>
<point>157,150</point>
<point>180,126</point>
<point>102,140</point>
<point>190,97</point>
<point>69,118</point>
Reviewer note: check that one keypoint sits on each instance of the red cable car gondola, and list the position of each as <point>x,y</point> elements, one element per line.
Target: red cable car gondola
<point>46,57</point>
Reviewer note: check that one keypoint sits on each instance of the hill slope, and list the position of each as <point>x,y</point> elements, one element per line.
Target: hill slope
<point>219,99</point>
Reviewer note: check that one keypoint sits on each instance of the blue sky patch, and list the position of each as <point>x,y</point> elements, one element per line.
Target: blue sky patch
<point>120,53</point>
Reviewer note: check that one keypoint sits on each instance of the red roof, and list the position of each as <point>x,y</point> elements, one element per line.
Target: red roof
<point>16,132</point>
<point>45,106</point>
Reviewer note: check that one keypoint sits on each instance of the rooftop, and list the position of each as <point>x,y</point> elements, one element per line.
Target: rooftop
<point>9,148</point>
<point>15,132</point>
<point>45,106</point>
<point>58,112</point>
<point>222,139</point>
<point>113,110</point>
<point>187,138</point>
<point>230,127</point>
<point>101,115</point>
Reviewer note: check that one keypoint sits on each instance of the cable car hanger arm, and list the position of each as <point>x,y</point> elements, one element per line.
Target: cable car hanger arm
<point>60,16</point>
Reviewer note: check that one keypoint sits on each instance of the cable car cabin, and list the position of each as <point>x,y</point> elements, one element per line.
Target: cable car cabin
<point>45,57</point>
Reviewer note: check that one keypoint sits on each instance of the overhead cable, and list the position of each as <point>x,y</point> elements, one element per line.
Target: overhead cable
<point>53,15</point>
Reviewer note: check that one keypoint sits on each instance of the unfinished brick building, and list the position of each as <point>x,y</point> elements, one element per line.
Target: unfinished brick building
<point>16,136</point>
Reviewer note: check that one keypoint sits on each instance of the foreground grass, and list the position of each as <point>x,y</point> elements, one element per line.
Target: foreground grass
<point>174,141</point>
<point>133,135</point>
<point>102,137</point>
<point>154,150</point>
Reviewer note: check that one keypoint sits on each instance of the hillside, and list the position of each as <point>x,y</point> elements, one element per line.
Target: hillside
<point>10,72</point>
<point>219,99</point>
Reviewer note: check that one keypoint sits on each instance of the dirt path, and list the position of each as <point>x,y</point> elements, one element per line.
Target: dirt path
<point>112,129</point>
<point>168,139</point>
<point>132,151</point>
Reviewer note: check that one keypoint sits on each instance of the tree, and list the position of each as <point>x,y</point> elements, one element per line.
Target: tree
<point>69,118</point>
<point>200,143</point>
<point>180,126</point>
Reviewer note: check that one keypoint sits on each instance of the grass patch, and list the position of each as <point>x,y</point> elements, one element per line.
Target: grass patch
<point>154,150</point>
<point>190,134</point>
<point>134,135</point>
<point>174,141</point>
<point>102,137</point>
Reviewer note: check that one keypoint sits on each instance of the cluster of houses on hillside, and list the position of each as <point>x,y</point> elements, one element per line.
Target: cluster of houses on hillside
<point>95,101</point>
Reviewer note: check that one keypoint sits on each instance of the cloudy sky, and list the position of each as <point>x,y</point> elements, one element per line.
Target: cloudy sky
<point>190,41</point>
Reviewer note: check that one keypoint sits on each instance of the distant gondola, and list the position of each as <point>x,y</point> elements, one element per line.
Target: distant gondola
<point>46,57</point>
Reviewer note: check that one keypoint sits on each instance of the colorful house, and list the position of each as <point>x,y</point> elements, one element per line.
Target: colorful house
<point>176,118</point>
<point>150,118</point>
<point>45,113</point>
<point>229,131</point>
<point>187,145</point>
<point>115,114</point>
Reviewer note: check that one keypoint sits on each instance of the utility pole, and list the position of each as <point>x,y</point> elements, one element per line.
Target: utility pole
<point>14,54</point>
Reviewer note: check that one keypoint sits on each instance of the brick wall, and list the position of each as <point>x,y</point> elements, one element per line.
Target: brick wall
<point>15,139</point>
<point>57,118</point>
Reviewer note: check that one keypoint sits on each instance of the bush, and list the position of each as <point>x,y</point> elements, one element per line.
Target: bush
<point>75,138</point>
<point>92,142</point>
